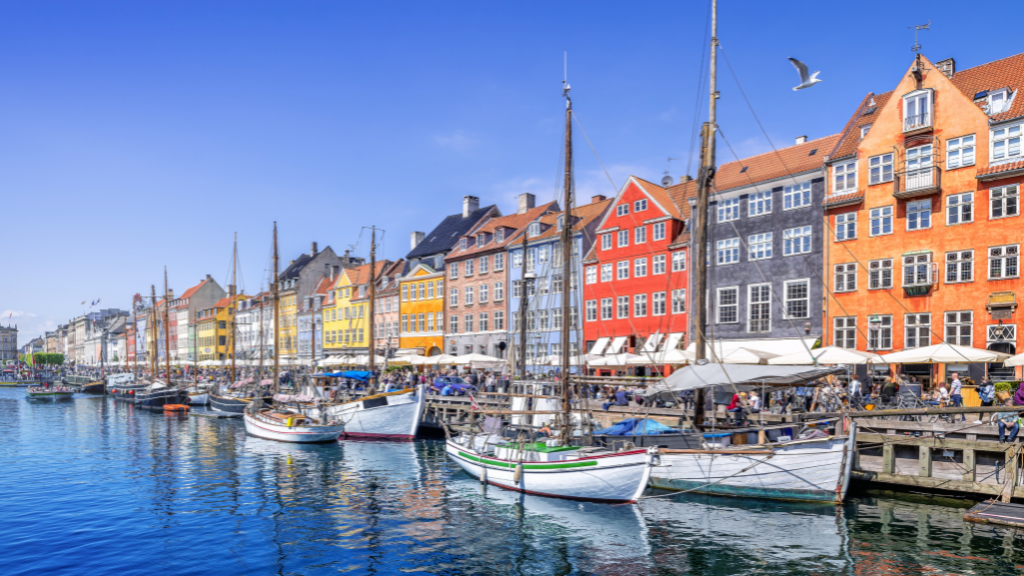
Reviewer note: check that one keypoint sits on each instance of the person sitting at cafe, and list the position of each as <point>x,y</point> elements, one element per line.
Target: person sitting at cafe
<point>621,399</point>
<point>736,410</point>
<point>1008,420</point>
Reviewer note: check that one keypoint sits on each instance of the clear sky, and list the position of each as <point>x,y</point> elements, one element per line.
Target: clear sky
<point>135,135</point>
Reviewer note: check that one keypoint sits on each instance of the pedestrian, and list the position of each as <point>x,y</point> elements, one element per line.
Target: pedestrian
<point>987,394</point>
<point>955,396</point>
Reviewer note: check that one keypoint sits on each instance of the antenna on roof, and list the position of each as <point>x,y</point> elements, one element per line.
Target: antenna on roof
<point>666,180</point>
<point>917,47</point>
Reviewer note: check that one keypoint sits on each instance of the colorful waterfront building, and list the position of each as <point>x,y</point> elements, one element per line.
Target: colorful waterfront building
<point>183,311</point>
<point>924,216</point>
<point>387,318</point>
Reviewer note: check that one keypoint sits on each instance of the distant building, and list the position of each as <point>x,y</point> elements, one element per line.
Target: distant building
<point>8,343</point>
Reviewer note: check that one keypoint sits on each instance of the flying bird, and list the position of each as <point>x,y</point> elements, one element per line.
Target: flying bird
<point>805,80</point>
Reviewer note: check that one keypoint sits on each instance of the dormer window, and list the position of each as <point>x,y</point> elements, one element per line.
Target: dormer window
<point>999,101</point>
<point>481,239</point>
<point>561,221</point>
<point>463,243</point>
<point>499,235</point>
<point>864,130</point>
<point>534,229</point>
<point>917,111</point>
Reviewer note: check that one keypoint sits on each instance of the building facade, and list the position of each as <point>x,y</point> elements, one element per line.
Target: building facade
<point>387,318</point>
<point>8,343</point>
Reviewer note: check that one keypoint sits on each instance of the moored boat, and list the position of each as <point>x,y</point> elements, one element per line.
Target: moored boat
<point>50,392</point>
<point>288,426</point>
<point>158,394</point>
<point>387,416</point>
<point>94,387</point>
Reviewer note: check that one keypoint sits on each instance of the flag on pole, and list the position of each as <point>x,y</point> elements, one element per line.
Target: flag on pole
<point>472,402</point>
<point>83,302</point>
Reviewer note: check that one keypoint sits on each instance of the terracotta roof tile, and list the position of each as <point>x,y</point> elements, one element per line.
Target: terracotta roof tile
<point>837,200</point>
<point>1001,168</point>
<point>1004,73</point>
<point>681,195</point>
<point>661,196</point>
<point>865,114</point>
<point>516,222</point>
<point>583,215</point>
<point>191,291</point>
<point>223,302</point>
<point>772,165</point>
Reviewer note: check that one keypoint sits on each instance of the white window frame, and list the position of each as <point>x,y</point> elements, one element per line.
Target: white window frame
<point>639,305</point>
<point>880,169</point>
<point>844,332</point>
<point>727,251</point>
<point>919,212</point>
<point>640,235</point>
<point>591,307</point>
<point>842,273</point>
<point>679,261</point>
<point>734,306</point>
<point>679,301</point>
<point>499,291</point>
<point>622,303</point>
<point>658,231</point>
<point>1006,198</point>
<point>883,214</point>
<point>918,270</point>
<point>453,297</point>
<point>955,321</point>
<point>606,241</point>
<point>877,270</point>
<point>960,152</point>
<point>1006,254</point>
<point>1005,141</point>
<point>759,303</point>
<point>728,210</point>
<point>796,196</point>
<point>846,226</point>
<point>640,205</point>
<point>622,209</point>
<point>759,203</point>
<point>959,209</point>
<point>961,264</point>
<point>607,272</point>
<point>913,322</point>
<point>787,299</point>
<point>591,275</point>
<point>796,241</point>
<point>622,270</point>
<point>844,177</point>
<point>880,338</point>
<point>759,246</point>
<point>918,119</point>
<point>640,267</point>
<point>607,305</point>
<point>623,239</point>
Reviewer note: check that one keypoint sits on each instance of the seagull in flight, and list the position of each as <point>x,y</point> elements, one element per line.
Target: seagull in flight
<point>805,80</point>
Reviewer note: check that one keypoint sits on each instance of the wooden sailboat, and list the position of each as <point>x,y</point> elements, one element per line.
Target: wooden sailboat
<point>279,423</point>
<point>555,467</point>
<point>161,393</point>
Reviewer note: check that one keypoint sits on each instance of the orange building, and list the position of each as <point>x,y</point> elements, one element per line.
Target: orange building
<point>923,216</point>
<point>421,292</point>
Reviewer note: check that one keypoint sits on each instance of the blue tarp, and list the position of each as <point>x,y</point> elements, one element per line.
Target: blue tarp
<point>633,426</point>
<point>361,375</point>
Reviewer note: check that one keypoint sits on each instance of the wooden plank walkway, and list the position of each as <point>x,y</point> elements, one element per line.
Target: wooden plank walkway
<point>994,512</point>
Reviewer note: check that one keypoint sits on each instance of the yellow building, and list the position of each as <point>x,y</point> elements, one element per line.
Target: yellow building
<point>421,309</point>
<point>215,326</point>
<point>289,332</point>
<point>346,322</point>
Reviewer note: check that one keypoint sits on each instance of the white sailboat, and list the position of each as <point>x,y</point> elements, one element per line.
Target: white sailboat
<point>387,416</point>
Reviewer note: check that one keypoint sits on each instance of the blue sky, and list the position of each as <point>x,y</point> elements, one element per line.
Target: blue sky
<point>135,135</point>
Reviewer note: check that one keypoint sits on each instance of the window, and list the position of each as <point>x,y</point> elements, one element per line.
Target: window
<point>640,205</point>
<point>606,241</point>
<point>622,209</point>
<point>453,297</point>
<point>499,320</point>
<point>919,214</point>
<point>918,168</point>
<point>760,203</point>
<point>844,332</point>
<point>517,289</point>
<point>430,290</point>
<point>622,307</point>
<point>623,238</point>
<point>430,321</point>
<point>880,274</point>
<point>499,291</point>
<point>517,259</point>
<point>453,324</point>
<point>998,101</point>
<point>959,152</point>
<point>640,305</point>
<point>658,304</point>
<point>591,277</point>
<point>797,196</point>
<point>846,226</point>
<point>880,169</point>
<point>463,243</point>
<point>679,301</point>
<point>918,330</point>
<point>844,177</point>
<point>728,251</point>
<point>640,267</point>
<point>482,297</point>
<point>846,277</point>
<point>531,259</point>
<point>482,322</point>
<point>542,253</point>
<point>1004,202</point>
<point>499,236</point>
<point>760,246</point>
<point>469,323</point>
<point>917,110</point>
<point>728,210</point>
<point>422,323</point>
<point>542,283</point>
<point>959,266</point>
<point>881,221</point>
<point>405,292</point>
<point>533,229</point>
<point>917,270</point>
<point>439,285</point>
<point>606,272</point>
<point>623,270</point>
<point>640,235</point>
<point>556,319</point>
<point>1006,143</point>
<point>959,208</point>
<point>798,298</point>
<point>728,305</point>
<point>658,231</point>
<point>499,262</point>
<point>658,264</point>
<point>542,319</point>
<point>959,327</point>
<point>759,311</point>
<point>880,332</point>
<point>796,241</point>
<point>606,308</point>
<point>1003,262</point>
<point>469,267</point>
<point>454,271</point>
<point>483,262</point>
<point>591,311</point>
<point>678,261</point>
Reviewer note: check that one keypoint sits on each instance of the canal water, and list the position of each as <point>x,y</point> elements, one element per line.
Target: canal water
<point>93,487</point>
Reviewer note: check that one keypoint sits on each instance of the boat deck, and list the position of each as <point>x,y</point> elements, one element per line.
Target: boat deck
<point>994,512</point>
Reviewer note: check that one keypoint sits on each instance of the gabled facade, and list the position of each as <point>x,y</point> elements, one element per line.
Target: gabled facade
<point>347,315</point>
<point>386,311</point>
<point>183,308</point>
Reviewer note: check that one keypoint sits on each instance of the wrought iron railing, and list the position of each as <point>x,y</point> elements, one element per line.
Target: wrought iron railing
<point>917,122</point>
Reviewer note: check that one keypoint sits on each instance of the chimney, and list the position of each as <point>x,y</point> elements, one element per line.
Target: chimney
<point>416,237</point>
<point>170,294</point>
<point>312,250</point>
<point>527,201</point>
<point>685,179</point>
<point>947,67</point>
<point>597,198</point>
<point>334,271</point>
<point>231,289</point>
<point>209,278</point>
<point>470,204</point>
<point>801,139</point>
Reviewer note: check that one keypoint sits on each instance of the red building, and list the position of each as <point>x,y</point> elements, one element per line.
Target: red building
<point>635,275</point>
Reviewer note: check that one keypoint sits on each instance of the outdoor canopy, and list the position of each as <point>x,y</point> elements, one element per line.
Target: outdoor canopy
<point>942,354</point>
<point>826,355</point>
<point>705,375</point>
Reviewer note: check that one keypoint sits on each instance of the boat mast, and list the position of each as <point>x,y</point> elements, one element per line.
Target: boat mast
<point>262,342</point>
<point>167,330</point>
<point>195,352</point>
<point>231,311</point>
<point>136,330</point>
<point>373,265</point>
<point>566,268</point>
<point>153,363</point>
<point>522,310</point>
<point>276,323</point>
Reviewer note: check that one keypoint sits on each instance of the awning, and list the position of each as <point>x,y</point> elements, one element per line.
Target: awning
<point>705,375</point>
<point>617,345</point>
<point>673,341</point>
<point>777,346</point>
<point>652,343</point>
<point>826,355</point>
<point>943,354</point>
<point>599,346</point>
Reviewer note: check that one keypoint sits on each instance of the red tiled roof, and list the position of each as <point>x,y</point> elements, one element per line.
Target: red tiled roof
<point>191,291</point>
<point>583,215</point>
<point>516,222</point>
<point>1004,73</point>
<point>661,196</point>
<point>772,165</point>
<point>361,274</point>
<point>223,302</point>
<point>681,194</point>
<point>866,114</point>
<point>844,199</point>
<point>999,169</point>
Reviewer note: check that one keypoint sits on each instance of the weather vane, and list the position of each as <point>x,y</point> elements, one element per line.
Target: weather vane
<point>917,47</point>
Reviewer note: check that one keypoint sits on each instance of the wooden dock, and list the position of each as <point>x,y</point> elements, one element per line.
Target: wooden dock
<point>995,512</point>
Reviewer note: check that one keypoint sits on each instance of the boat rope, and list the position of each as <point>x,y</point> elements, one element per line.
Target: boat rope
<point>710,483</point>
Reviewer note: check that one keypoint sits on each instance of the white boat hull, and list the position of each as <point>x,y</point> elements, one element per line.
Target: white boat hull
<point>199,399</point>
<point>261,428</point>
<point>398,419</point>
<point>615,477</point>
<point>804,470</point>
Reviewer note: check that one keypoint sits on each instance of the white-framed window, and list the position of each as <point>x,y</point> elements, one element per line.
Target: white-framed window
<point>679,301</point>
<point>1004,201</point>
<point>533,229</point>
<point>483,263</point>
<point>880,332</point>
<point>960,328</point>
<point>728,210</point>
<point>469,267</point>
<point>517,288</point>
<point>919,214</point>
<point>658,231</point>
<point>864,130</point>
<point>640,267</point>
<point>760,246</point>
<point>622,307</point>
<point>846,277</point>
<point>728,305</point>
<point>880,169</point>
<point>759,308</point>
<point>918,168</point>
<point>844,332</point>
<point>499,236</point>
<point>484,293</point>
<point>542,319</point>
<point>796,241</point>
<point>606,308</point>
<point>760,203</point>
<point>846,226</point>
<point>880,274</point>
<point>918,330</point>
<point>591,277</point>
<point>917,110</point>
<point>453,324</point>
<point>591,311</point>
<point>880,220</point>
<point>844,176</point>
<point>623,238</point>
<point>798,298</point>
<point>679,261</point>
<point>796,196</point>
<point>640,235</point>
<point>728,251</point>
<point>622,269</point>
<point>959,208</point>
<point>531,259</point>
<point>1004,262</point>
<point>453,272</point>
<point>640,205</point>
<point>622,209</point>
<point>499,292</point>
<point>1002,333</point>
<point>517,259</point>
<point>959,152</point>
<point>606,241</point>
<point>453,297</point>
<point>606,272</point>
<point>469,323</point>
<point>468,295</point>
<point>917,270</point>
<point>658,304</point>
<point>1005,143</point>
<point>959,266</point>
<point>639,305</point>
<point>463,243</point>
<point>482,321</point>
<point>499,262</point>
<point>658,264</point>
<point>998,101</point>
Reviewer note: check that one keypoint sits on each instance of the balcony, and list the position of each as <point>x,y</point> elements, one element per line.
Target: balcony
<point>920,182</point>
<point>917,123</point>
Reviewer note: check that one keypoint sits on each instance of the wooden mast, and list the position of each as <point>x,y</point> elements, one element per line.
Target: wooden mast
<point>195,352</point>
<point>566,269</point>
<point>372,346</point>
<point>276,319</point>
<point>231,309</point>
<point>153,361</point>
<point>522,309</point>
<point>167,330</point>
<point>136,330</point>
